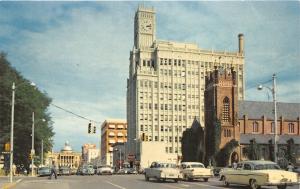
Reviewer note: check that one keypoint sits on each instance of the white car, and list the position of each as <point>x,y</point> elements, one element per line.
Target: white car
<point>162,171</point>
<point>195,170</point>
<point>259,173</point>
<point>104,170</point>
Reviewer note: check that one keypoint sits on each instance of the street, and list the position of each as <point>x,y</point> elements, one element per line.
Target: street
<point>118,182</point>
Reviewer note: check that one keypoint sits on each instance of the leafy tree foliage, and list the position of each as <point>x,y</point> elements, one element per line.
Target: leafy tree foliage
<point>28,99</point>
<point>213,139</point>
<point>253,150</point>
<point>291,151</point>
<point>223,155</point>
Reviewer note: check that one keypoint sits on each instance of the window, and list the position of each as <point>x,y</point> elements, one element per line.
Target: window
<point>255,127</point>
<point>226,108</point>
<point>273,127</point>
<point>227,133</point>
<point>247,167</point>
<point>291,128</point>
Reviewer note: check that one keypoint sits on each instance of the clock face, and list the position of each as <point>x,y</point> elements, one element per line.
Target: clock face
<point>146,26</point>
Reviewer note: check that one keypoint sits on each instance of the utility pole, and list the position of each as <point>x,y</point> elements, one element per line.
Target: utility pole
<point>12,133</point>
<point>32,145</point>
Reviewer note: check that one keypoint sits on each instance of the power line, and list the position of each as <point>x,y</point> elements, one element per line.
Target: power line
<point>77,115</point>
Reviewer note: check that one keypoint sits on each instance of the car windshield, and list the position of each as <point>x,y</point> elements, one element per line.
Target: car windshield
<point>166,165</point>
<point>44,168</point>
<point>266,166</point>
<point>197,166</point>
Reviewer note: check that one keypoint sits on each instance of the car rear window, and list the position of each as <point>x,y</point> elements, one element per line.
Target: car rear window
<point>266,166</point>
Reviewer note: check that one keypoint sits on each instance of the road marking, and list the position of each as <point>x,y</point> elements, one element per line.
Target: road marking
<point>185,185</point>
<point>208,185</point>
<point>19,180</point>
<point>171,186</point>
<point>115,185</point>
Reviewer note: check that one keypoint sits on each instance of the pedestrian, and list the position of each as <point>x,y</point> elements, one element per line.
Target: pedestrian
<point>234,165</point>
<point>290,167</point>
<point>53,171</point>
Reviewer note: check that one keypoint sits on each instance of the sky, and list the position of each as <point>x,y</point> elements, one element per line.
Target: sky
<point>78,52</point>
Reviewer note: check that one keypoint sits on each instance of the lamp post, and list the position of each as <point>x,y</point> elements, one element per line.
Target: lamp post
<point>32,145</point>
<point>273,90</point>
<point>12,132</point>
<point>13,88</point>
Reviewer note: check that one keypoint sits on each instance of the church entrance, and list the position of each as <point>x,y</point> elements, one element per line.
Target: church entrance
<point>234,157</point>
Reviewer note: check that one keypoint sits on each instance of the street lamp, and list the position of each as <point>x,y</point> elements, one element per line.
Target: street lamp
<point>273,90</point>
<point>12,129</point>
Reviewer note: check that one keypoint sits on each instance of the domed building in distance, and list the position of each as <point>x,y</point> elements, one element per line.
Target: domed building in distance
<point>66,157</point>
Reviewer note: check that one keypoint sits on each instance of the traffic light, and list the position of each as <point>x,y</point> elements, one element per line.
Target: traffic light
<point>90,128</point>
<point>7,147</point>
<point>94,129</point>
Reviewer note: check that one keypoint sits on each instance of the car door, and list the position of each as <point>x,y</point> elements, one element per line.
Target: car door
<point>246,174</point>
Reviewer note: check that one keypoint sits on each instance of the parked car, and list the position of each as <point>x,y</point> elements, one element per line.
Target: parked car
<point>162,171</point>
<point>104,170</point>
<point>64,170</point>
<point>259,173</point>
<point>195,170</point>
<point>44,171</point>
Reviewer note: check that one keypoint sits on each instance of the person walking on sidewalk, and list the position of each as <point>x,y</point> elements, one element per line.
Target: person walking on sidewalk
<point>53,171</point>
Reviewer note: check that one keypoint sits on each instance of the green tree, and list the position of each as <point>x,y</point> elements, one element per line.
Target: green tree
<point>253,150</point>
<point>28,99</point>
<point>213,139</point>
<point>223,155</point>
<point>291,151</point>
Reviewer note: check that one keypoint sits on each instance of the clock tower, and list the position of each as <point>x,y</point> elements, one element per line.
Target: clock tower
<point>144,27</point>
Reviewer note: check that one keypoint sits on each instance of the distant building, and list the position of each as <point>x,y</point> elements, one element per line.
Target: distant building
<point>244,121</point>
<point>86,149</point>
<point>112,131</point>
<point>93,156</point>
<point>165,87</point>
<point>66,157</point>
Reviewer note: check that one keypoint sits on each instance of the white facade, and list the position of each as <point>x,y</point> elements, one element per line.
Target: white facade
<point>165,88</point>
<point>92,155</point>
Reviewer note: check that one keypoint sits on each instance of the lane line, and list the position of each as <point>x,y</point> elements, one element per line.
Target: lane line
<point>115,185</point>
<point>185,185</point>
<point>210,186</point>
<point>171,186</point>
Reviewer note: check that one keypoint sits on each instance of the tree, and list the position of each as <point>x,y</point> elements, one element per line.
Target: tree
<point>28,99</point>
<point>223,155</point>
<point>253,150</point>
<point>291,151</point>
<point>213,139</point>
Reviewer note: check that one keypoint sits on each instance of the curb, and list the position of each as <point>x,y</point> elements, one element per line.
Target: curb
<point>11,185</point>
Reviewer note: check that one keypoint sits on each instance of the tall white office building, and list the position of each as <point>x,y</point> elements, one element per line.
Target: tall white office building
<point>165,88</point>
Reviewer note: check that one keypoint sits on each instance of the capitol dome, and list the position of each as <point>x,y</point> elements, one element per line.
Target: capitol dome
<point>67,147</point>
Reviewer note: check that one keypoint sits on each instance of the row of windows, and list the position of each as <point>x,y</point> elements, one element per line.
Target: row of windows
<point>179,62</point>
<point>168,96</point>
<point>227,133</point>
<point>177,107</point>
<point>170,149</point>
<point>162,128</point>
<point>162,138</point>
<point>165,85</point>
<point>255,127</point>
<point>179,73</point>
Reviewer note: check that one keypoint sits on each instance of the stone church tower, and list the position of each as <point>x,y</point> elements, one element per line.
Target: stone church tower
<point>221,100</point>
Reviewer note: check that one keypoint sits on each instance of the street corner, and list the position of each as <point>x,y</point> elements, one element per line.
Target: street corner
<point>10,185</point>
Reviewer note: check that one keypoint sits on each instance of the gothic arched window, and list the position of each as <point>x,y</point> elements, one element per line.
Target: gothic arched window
<point>255,127</point>
<point>226,110</point>
<point>291,128</point>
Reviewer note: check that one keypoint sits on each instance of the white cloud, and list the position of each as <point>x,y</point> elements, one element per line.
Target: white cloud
<point>78,52</point>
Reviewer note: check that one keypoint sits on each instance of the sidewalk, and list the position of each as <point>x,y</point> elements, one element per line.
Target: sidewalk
<point>5,184</point>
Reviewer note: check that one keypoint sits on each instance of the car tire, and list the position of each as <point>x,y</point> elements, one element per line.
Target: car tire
<point>281,187</point>
<point>205,179</point>
<point>225,182</point>
<point>190,179</point>
<point>175,180</point>
<point>253,184</point>
<point>146,178</point>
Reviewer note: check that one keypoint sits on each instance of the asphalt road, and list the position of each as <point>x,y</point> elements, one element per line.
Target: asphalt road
<point>118,182</point>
